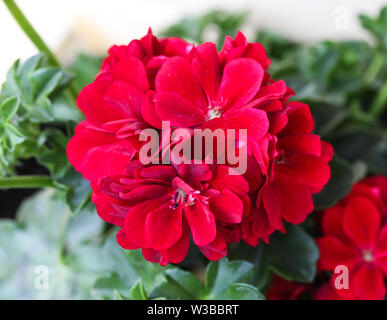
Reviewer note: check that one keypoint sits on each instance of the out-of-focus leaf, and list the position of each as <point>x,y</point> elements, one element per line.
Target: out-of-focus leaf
<point>44,238</point>
<point>138,291</point>
<point>8,108</point>
<point>126,267</point>
<point>340,184</point>
<point>85,68</point>
<point>224,280</point>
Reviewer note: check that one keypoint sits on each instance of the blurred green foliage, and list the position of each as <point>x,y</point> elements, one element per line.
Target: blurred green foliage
<point>345,84</point>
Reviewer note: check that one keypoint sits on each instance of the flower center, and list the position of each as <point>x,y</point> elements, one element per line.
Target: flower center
<point>180,197</point>
<point>368,256</point>
<point>214,112</point>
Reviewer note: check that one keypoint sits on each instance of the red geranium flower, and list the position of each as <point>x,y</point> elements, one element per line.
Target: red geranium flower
<point>151,80</point>
<point>163,205</point>
<point>354,236</point>
<point>112,104</point>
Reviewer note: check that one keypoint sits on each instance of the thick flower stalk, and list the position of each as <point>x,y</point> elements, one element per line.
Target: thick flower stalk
<point>160,207</point>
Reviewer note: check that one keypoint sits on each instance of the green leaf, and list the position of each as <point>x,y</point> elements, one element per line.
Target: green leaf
<point>125,268</point>
<point>179,284</point>
<point>224,280</point>
<point>45,80</point>
<point>340,184</point>
<point>292,255</point>
<point>77,191</point>
<point>14,136</point>
<point>221,274</point>
<point>138,291</point>
<point>241,291</point>
<point>45,235</point>
<point>8,108</point>
<point>85,69</point>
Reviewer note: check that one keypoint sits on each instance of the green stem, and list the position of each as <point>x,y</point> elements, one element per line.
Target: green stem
<point>30,31</point>
<point>26,182</point>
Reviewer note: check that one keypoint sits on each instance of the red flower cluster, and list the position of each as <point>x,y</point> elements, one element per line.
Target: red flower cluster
<point>159,207</point>
<point>355,236</point>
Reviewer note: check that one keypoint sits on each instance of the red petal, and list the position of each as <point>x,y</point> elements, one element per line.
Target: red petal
<point>368,283</point>
<point>227,207</point>
<point>202,223</point>
<point>240,82</point>
<point>297,202</point>
<point>305,169</point>
<point>216,250</point>
<point>125,98</point>
<point>271,199</point>
<point>163,226</point>
<point>332,222</point>
<point>178,252</point>
<point>300,119</point>
<point>255,121</point>
<point>91,102</point>
<point>180,112</point>
<point>123,241</point>
<point>148,111</point>
<point>334,252</point>
<point>381,250</point>
<point>302,143</point>
<point>206,68</point>
<point>132,71</point>
<point>176,76</point>
<point>134,227</point>
<point>96,154</point>
<point>361,221</point>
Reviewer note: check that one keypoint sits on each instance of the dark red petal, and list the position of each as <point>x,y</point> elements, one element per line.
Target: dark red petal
<point>163,226</point>
<point>178,252</point>
<point>134,227</point>
<point>271,199</point>
<point>148,111</point>
<point>216,250</point>
<point>361,221</point>
<point>91,102</point>
<point>368,283</point>
<point>300,119</point>
<point>123,241</point>
<point>126,98</point>
<point>152,255</point>
<point>172,107</point>
<point>240,82</point>
<point>166,173</point>
<point>201,222</point>
<point>176,76</point>
<point>332,222</point>
<point>302,143</point>
<point>227,207</point>
<point>381,250</point>
<point>327,151</point>
<point>305,169</point>
<point>234,182</point>
<point>297,202</point>
<point>144,192</point>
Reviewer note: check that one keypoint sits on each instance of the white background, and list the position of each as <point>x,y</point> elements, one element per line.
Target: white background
<point>97,24</point>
